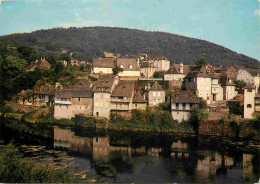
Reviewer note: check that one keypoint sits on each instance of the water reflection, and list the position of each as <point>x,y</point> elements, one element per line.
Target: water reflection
<point>159,158</point>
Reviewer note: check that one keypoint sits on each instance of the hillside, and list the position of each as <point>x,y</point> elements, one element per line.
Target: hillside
<point>93,41</point>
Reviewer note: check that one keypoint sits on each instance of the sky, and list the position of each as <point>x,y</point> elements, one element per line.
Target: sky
<point>234,24</point>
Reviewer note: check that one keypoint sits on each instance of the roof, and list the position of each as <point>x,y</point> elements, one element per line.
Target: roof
<point>138,98</point>
<point>146,64</point>
<point>152,56</point>
<point>250,86</point>
<point>181,96</point>
<point>42,64</point>
<point>201,71</point>
<point>103,62</point>
<point>175,69</point>
<point>156,87</point>
<point>74,93</point>
<point>238,98</point>
<point>225,80</point>
<point>105,83</point>
<point>123,89</point>
<point>46,90</point>
<point>127,64</point>
<point>82,83</point>
<point>252,71</point>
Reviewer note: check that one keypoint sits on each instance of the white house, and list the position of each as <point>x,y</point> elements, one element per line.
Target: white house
<point>102,95</point>
<point>250,76</point>
<point>103,65</point>
<point>182,103</point>
<point>249,101</point>
<point>129,66</point>
<point>177,72</point>
<point>156,95</point>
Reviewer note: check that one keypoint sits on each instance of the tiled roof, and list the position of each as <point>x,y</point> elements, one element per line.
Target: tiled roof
<point>175,69</point>
<point>146,64</point>
<point>74,93</point>
<point>201,71</point>
<point>128,64</point>
<point>138,98</point>
<point>104,83</point>
<point>103,62</point>
<point>224,80</point>
<point>42,64</point>
<point>156,87</point>
<point>180,96</point>
<point>253,71</point>
<point>46,90</point>
<point>123,89</point>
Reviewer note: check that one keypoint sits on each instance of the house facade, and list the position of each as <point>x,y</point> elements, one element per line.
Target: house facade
<point>177,72</point>
<point>122,96</point>
<point>71,102</point>
<point>155,95</point>
<point>102,95</point>
<point>139,103</point>
<point>147,69</point>
<point>250,76</point>
<point>103,65</point>
<point>182,103</point>
<point>130,68</point>
<point>249,101</point>
<point>44,95</point>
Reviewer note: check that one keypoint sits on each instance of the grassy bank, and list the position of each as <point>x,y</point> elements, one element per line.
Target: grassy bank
<point>14,168</point>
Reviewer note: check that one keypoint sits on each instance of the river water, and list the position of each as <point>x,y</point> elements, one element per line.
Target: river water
<point>148,157</point>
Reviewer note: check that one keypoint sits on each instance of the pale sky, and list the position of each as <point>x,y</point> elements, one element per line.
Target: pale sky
<point>234,24</point>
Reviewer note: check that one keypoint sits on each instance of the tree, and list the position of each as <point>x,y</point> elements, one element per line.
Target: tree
<point>201,61</point>
<point>158,74</point>
<point>117,70</point>
<point>240,84</point>
<point>198,114</point>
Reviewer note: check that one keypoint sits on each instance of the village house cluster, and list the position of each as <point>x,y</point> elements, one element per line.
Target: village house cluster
<point>118,89</point>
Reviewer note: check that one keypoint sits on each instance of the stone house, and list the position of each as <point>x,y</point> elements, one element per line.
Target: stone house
<point>122,96</point>
<point>102,95</point>
<point>42,64</point>
<point>250,76</point>
<point>155,95</point>
<point>161,63</point>
<point>182,103</point>
<point>177,72</point>
<point>216,89</point>
<point>147,69</point>
<point>249,101</point>
<point>229,87</point>
<point>139,103</point>
<point>200,78</point>
<point>71,102</point>
<point>130,68</point>
<point>103,65</point>
<point>44,95</point>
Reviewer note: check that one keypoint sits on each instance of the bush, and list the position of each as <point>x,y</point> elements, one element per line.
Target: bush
<point>13,168</point>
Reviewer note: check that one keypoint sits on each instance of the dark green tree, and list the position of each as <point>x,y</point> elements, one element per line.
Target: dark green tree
<point>201,61</point>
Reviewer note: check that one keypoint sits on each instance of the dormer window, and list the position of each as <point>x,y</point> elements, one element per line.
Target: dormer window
<point>130,66</point>
<point>121,66</point>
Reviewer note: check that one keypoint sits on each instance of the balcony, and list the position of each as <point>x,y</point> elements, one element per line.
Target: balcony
<point>119,100</point>
<point>63,102</point>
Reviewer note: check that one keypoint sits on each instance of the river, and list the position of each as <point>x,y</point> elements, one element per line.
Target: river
<point>147,157</point>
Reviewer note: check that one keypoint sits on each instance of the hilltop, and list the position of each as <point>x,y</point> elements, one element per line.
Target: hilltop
<point>94,41</point>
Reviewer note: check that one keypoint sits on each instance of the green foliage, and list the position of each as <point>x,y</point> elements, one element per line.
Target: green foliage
<point>151,120</point>
<point>197,115</point>
<point>240,84</point>
<point>158,74</point>
<point>165,106</point>
<point>86,41</point>
<point>201,61</point>
<point>236,108</point>
<point>14,169</point>
<point>117,70</point>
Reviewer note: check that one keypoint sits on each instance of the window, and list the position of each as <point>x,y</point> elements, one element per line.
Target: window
<point>78,99</point>
<point>130,66</point>
<point>121,66</point>
<point>183,106</point>
<point>249,105</point>
<point>154,93</point>
<point>177,106</point>
<point>158,94</point>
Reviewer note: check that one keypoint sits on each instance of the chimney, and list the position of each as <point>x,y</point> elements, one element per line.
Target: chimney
<point>181,67</point>
<point>58,86</point>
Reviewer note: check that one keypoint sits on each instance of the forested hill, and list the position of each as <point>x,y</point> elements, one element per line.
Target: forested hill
<point>93,41</point>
